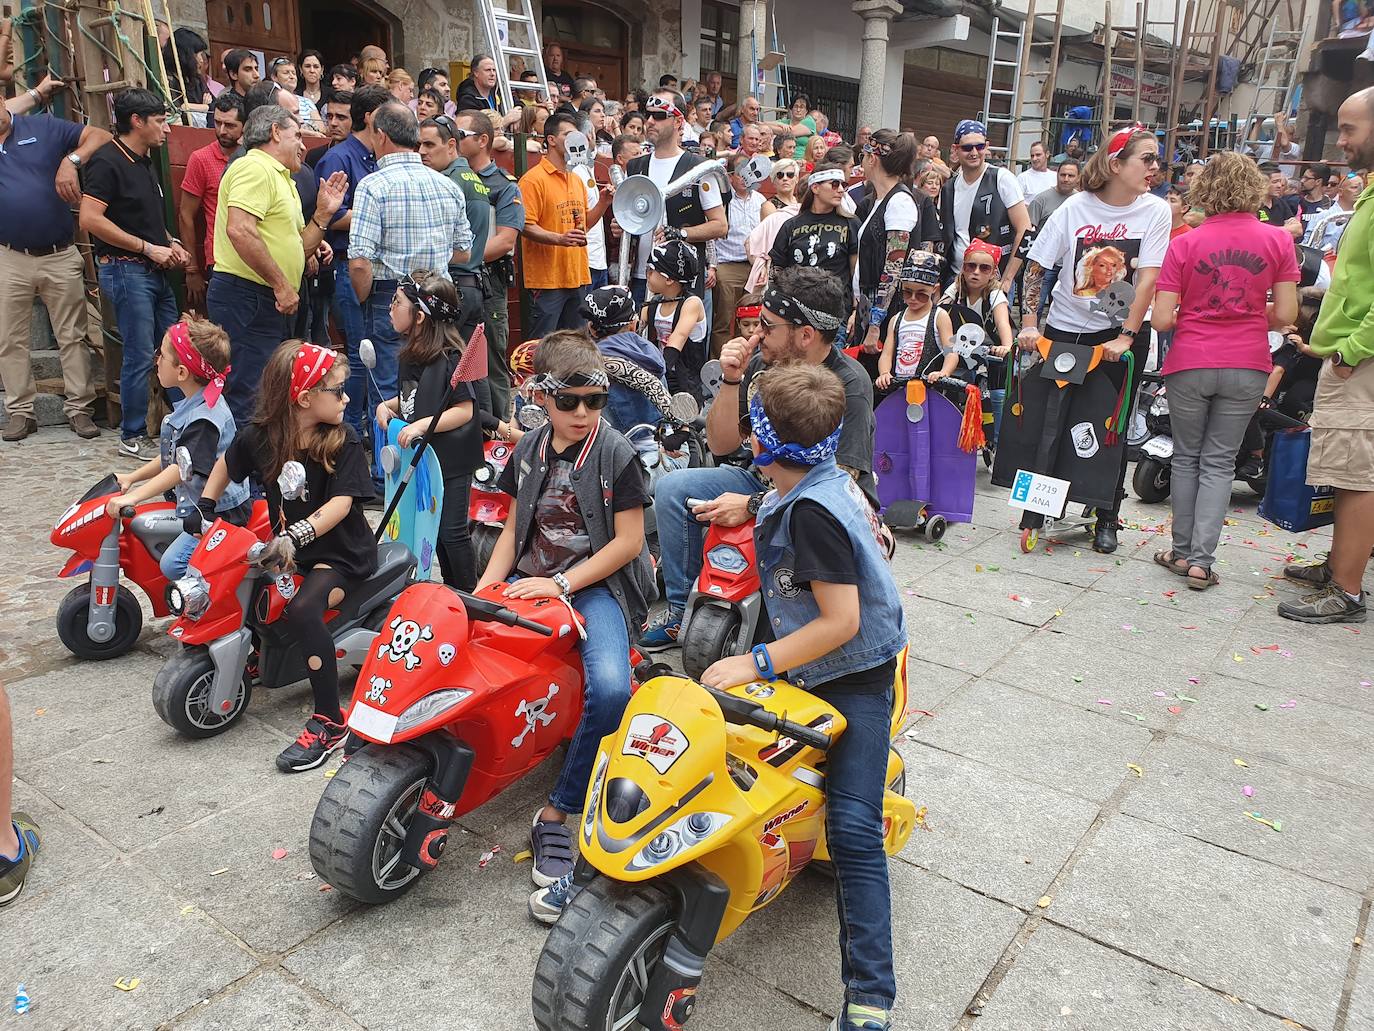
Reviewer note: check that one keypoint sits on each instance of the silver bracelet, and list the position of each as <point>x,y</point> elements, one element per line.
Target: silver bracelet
<point>302,531</point>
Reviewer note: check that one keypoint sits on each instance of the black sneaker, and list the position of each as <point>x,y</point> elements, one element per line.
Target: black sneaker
<point>1328,605</point>
<point>553,854</point>
<point>1104,536</point>
<point>320,737</point>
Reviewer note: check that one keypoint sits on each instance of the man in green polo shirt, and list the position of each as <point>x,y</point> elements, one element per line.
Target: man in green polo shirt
<point>261,240</point>
<point>1342,453</point>
<point>441,144</point>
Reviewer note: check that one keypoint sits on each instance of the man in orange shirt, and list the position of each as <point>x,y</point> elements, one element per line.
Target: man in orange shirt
<point>555,266</point>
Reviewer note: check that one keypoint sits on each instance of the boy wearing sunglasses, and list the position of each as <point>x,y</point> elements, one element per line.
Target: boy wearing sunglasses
<point>576,533</point>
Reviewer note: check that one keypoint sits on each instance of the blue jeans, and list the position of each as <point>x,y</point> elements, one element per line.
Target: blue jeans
<point>555,309</point>
<point>248,313</point>
<point>387,343</point>
<point>639,289</point>
<point>144,308</point>
<point>600,277</point>
<point>605,692</point>
<point>178,556</point>
<point>350,316</point>
<point>855,781</point>
<point>680,536</point>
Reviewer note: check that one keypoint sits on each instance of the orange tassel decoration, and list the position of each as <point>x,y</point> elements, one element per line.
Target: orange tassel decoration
<point>971,437</point>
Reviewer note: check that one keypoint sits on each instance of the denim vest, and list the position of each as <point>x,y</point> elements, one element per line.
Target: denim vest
<point>882,624</point>
<point>602,459</point>
<point>187,411</point>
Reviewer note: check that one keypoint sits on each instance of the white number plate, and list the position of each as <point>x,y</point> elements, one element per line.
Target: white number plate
<point>1036,493</point>
<point>1159,447</point>
<point>372,722</point>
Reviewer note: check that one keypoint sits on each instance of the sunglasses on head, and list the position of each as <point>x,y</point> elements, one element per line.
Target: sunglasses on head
<point>566,402</point>
<point>969,148</point>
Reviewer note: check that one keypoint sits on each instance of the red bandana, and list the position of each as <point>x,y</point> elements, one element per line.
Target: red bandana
<point>180,336</point>
<point>309,368</point>
<point>983,247</point>
<point>1123,136</point>
<point>752,311</point>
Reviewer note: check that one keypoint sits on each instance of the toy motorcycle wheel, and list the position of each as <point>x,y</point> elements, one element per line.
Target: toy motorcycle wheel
<point>484,540</point>
<point>1150,481</point>
<point>181,695</point>
<point>712,634</point>
<point>1029,539</point>
<point>935,528</point>
<point>72,631</point>
<point>361,822</point>
<point>600,957</point>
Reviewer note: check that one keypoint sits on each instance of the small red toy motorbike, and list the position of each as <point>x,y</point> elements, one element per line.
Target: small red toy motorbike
<point>469,694</point>
<point>724,613</point>
<point>487,506</point>
<point>228,613</point>
<point>101,619</point>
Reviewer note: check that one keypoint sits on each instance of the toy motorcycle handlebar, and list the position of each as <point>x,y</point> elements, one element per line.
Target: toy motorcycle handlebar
<point>744,711</point>
<point>482,609</point>
<point>126,511</point>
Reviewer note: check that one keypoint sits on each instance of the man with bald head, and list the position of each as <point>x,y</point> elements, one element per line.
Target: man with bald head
<point>1342,453</point>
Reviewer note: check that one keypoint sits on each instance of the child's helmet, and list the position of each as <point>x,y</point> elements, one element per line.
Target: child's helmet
<point>609,307</point>
<point>923,267</point>
<point>522,360</point>
<point>676,260</point>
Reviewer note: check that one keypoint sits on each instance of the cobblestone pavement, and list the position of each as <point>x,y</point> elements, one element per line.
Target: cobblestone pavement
<point>1087,861</point>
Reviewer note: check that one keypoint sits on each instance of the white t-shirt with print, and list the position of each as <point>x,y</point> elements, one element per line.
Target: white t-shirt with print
<point>911,338</point>
<point>1096,244</point>
<point>661,172</point>
<point>596,234</point>
<point>1033,182</point>
<point>964,192</point>
<point>901,216</point>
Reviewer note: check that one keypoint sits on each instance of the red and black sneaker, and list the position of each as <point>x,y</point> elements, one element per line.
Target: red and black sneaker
<point>320,737</point>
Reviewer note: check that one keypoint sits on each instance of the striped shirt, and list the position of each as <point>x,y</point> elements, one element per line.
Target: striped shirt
<point>408,217</point>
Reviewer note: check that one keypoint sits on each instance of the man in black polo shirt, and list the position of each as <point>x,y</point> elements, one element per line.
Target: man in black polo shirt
<point>39,158</point>
<point>123,210</point>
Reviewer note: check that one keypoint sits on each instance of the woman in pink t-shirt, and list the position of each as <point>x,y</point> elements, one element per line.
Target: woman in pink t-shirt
<point>1213,291</point>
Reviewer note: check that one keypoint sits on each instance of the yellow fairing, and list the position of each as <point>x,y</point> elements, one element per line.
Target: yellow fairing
<point>677,784</point>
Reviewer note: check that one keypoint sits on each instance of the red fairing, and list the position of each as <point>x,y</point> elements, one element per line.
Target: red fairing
<point>526,688</point>
<point>222,558</point>
<point>716,583</point>
<point>486,504</point>
<point>84,527</point>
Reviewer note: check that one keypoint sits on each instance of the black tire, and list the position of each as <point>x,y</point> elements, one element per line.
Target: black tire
<point>71,624</point>
<point>484,539</point>
<point>181,690</point>
<point>935,528</point>
<point>712,634</point>
<point>588,964</point>
<point>1151,480</point>
<point>349,844</point>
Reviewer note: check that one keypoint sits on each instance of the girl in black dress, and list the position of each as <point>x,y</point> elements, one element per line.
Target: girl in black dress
<point>314,472</point>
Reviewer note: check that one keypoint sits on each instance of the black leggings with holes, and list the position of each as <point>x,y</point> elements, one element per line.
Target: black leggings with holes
<point>304,617</point>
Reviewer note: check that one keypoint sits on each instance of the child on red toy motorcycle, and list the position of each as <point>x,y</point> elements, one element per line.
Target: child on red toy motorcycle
<point>576,533</point>
<point>193,358</point>
<point>315,473</point>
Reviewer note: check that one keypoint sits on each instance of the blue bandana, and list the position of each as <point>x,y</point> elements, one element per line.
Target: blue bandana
<point>773,448</point>
<point>967,126</point>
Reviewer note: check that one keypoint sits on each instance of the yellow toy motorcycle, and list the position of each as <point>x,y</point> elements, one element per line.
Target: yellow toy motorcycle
<point>702,807</point>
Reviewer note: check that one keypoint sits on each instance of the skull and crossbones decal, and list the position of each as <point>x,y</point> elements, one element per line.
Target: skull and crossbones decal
<point>405,635</point>
<point>1114,302</point>
<point>535,712</point>
<point>377,689</point>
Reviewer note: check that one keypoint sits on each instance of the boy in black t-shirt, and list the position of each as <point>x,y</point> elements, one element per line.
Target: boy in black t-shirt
<point>576,533</point>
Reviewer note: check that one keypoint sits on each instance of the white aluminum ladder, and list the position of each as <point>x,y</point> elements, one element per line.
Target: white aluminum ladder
<point>493,20</point>
<point>1006,100</point>
<point>1277,70</point>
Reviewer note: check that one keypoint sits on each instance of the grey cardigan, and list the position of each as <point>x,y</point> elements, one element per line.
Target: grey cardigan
<point>604,455</point>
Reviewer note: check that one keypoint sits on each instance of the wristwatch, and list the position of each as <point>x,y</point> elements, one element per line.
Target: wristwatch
<point>763,662</point>
<point>1336,360</point>
<point>755,500</point>
<point>1130,333</point>
<point>75,159</point>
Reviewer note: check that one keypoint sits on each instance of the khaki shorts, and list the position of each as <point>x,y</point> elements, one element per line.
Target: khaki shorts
<point>1342,454</point>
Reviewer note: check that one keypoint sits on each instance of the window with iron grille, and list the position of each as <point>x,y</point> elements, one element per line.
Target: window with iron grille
<point>719,38</point>
<point>837,98</point>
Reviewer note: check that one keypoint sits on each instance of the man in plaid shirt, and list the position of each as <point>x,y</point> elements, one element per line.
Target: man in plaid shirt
<point>405,217</point>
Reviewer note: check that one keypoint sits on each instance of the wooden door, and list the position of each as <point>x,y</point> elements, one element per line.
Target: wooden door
<point>270,27</point>
<point>606,67</point>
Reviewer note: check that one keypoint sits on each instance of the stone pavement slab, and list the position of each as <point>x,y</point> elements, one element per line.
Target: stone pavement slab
<point>989,830</point>
<point>1077,566</point>
<point>1113,622</point>
<point>1361,1013</point>
<point>112,924</point>
<point>1064,981</point>
<point>1269,936</point>
<point>1038,739</point>
<point>268,1000</point>
<point>929,686</point>
<point>1197,789</point>
<point>68,849</point>
<point>1010,593</point>
<point>1228,601</point>
<point>958,636</point>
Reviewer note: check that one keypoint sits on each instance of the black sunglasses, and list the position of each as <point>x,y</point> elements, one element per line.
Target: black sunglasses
<point>570,402</point>
<point>338,391</point>
<point>969,148</point>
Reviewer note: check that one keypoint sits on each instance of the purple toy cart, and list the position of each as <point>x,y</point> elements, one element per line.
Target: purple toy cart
<point>925,480</point>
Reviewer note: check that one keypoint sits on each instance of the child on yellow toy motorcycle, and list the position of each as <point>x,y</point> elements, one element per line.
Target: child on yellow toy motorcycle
<point>839,627</point>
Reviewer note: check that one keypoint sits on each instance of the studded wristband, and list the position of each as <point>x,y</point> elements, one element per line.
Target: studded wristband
<point>302,532</point>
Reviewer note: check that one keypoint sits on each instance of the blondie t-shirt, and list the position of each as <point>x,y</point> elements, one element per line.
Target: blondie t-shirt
<point>1222,272</point>
<point>1099,246</point>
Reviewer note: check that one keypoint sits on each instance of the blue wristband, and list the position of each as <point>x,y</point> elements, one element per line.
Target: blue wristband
<point>763,662</point>
<point>876,315</point>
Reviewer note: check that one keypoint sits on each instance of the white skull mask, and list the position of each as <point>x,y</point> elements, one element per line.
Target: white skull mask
<point>577,150</point>
<point>968,339</point>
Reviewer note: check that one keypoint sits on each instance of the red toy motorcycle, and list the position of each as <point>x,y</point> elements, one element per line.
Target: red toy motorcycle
<point>228,608</point>
<point>101,619</point>
<point>724,614</point>
<point>487,506</point>
<point>468,695</point>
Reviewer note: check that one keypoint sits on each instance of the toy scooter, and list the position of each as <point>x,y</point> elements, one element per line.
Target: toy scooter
<point>487,506</point>
<point>227,607</point>
<point>702,808</point>
<point>469,694</point>
<point>724,613</point>
<point>101,619</point>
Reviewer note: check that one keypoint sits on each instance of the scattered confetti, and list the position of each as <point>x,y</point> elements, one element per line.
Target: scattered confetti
<point>1194,680</point>
<point>488,856</point>
<point>1290,704</point>
<point>187,910</point>
<point>1187,628</point>
<point>1137,770</point>
<point>1161,694</point>
<point>1276,825</point>
<point>910,593</point>
<point>977,568</point>
<point>994,569</point>
<point>329,773</point>
<point>1043,902</point>
<point>1065,1011</point>
<point>326,887</point>
<point>1138,718</point>
<point>921,819</point>
<point>1104,701</point>
<point>1261,707</point>
<point>279,853</point>
<point>127,984</point>
<point>1240,762</point>
<point>520,857</point>
<point>216,873</point>
<point>922,712</point>
<point>1248,791</point>
<point>1078,680</point>
<point>1175,709</point>
<point>1184,697</point>
<point>40,712</point>
<point>1236,657</point>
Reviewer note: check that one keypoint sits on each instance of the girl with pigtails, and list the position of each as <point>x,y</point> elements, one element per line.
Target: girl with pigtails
<point>314,471</point>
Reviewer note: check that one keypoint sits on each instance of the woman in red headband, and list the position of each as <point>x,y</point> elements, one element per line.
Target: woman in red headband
<point>1109,240</point>
<point>313,469</point>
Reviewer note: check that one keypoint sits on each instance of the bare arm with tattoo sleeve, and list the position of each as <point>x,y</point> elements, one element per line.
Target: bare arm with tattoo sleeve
<point>1031,286</point>
<point>898,246</point>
